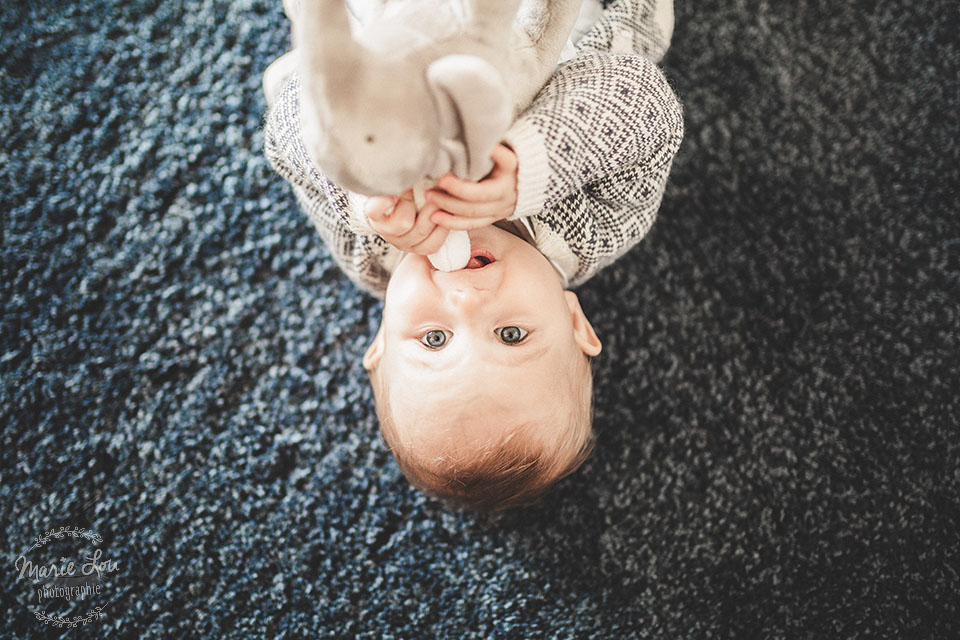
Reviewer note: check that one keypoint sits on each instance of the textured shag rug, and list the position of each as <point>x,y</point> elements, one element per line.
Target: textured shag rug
<point>776,405</point>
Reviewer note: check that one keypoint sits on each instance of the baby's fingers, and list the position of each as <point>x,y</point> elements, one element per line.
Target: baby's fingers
<point>432,243</point>
<point>380,207</point>
<point>451,222</point>
<point>473,209</point>
<point>492,186</point>
<point>464,189</point>
<point>422,228</point>
<point>504,159</point>
<point>391,215</point>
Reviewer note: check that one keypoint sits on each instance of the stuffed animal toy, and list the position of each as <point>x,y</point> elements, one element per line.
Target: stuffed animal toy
<point>422,88</point>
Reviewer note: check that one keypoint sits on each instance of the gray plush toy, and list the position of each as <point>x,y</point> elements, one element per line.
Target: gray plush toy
<point>420,89</point>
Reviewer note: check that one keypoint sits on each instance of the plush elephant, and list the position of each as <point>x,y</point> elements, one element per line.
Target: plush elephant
<point>422,87</point>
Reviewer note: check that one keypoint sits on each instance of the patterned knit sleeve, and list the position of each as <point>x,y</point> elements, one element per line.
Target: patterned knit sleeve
<point>595,149</point>
<point>644,27</point>
<point>364,257</point>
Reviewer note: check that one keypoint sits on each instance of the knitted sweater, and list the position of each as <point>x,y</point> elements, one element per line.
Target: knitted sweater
<point>595,149</point>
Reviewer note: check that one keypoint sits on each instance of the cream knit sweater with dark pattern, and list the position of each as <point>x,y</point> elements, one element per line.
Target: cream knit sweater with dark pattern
<point>595,149</point>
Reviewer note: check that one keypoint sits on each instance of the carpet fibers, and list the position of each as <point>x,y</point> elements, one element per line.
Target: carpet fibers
<point>776,405</point>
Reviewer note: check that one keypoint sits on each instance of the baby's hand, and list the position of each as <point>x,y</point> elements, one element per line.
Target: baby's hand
<point>471,205</point>
<point>398,222</point>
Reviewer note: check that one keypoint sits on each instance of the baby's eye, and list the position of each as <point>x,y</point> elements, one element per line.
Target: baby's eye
<point>435,338</point>
<point>511,335</point>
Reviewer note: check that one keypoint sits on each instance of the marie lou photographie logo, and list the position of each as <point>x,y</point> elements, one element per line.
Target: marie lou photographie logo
<point>66,569</point>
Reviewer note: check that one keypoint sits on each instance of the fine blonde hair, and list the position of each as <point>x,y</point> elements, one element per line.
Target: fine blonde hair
<point>513,470</point>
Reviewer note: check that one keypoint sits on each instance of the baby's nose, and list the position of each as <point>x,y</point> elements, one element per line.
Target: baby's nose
<point>464,297</point>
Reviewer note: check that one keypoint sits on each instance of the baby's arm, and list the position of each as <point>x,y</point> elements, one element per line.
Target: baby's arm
<point>588,93</point>
<point>338,215</point>
<point>284,148</point>
<point>592,155</point>
<point>600,116</point>
<point>595,150</point>
<point>642,27</point>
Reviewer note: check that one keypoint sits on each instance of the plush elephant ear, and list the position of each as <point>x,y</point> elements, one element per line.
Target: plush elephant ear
<point>475,111</point>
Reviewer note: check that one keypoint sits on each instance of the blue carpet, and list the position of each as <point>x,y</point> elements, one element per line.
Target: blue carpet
<point>776,404</point>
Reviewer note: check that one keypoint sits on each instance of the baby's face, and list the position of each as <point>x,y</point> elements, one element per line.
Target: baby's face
<point>480,348</point>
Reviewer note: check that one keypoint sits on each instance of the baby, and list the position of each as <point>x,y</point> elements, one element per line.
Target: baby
<point>482,376</point>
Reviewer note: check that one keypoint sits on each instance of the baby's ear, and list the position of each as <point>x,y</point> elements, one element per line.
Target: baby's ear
<point>371,359</point>
<point>583,332</point>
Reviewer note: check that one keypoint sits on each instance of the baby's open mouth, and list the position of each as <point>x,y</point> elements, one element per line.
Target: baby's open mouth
<point>479,259</point>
